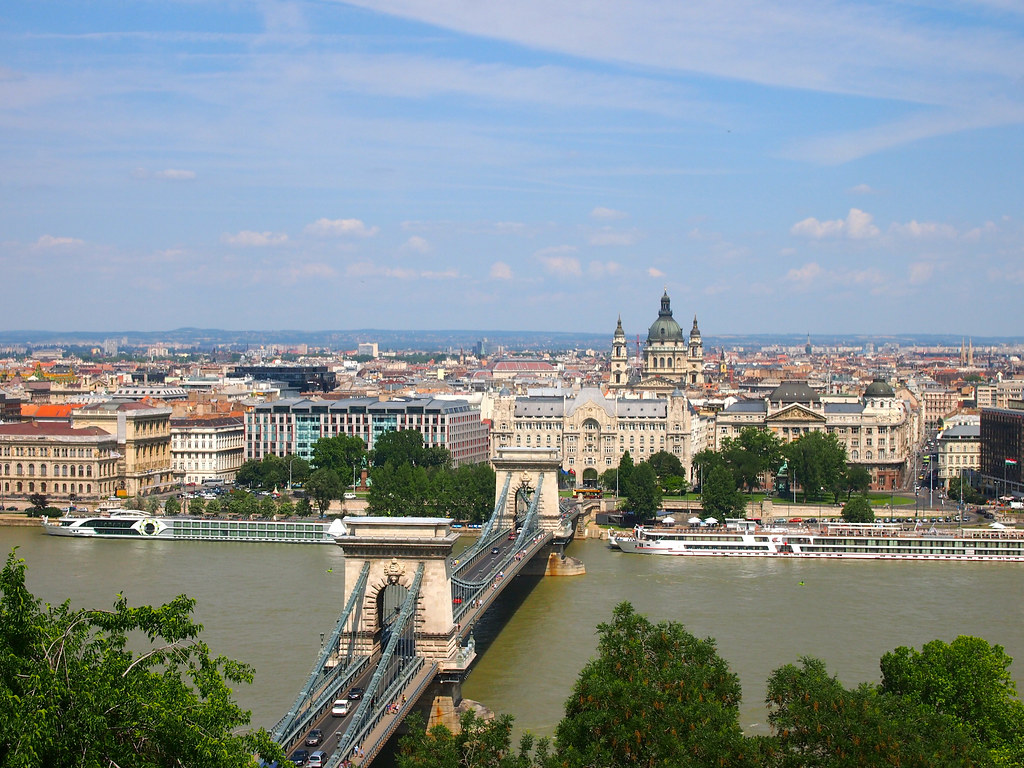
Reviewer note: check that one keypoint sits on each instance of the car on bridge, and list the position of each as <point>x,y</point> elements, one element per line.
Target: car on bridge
<point>315,737</point>
<point>340,708</point>
<point>356,693</point>
<point>495,551</point>
<point>299,756</point>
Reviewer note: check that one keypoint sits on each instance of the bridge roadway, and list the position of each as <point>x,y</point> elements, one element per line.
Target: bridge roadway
<point>388,713</point>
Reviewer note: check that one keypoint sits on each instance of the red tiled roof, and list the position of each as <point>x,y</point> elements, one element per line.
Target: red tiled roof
<point>52,429</point>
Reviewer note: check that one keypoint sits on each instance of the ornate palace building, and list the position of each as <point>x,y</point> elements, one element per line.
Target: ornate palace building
<point>876,428</point>
<point>592,431</point>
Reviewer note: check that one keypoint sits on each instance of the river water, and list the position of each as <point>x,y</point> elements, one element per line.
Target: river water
<point>266,604</point>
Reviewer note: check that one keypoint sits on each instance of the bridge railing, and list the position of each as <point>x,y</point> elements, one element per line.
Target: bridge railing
<point>396,667</point>
<point>323,680</point>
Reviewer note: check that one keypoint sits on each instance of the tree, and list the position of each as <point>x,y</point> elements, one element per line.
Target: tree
<point>303,508</point>
<point>704,461</point>
<point>323,486</point>
<point>152,505</point>
<point>643,496</point>
<point>479,743</point>
<point>751,454</point>
<point>816,460</point>
<point>719,496</point>
<point>858,510</point>
<point>406,447</point>
<point>343,453</point>
<point>267,507</point>
<point>298,468</point>
<point>213,507</point>
<point>968,679</point>
<point>38,500</point>
<point>285,506</point>
<point>818,723</point>
<point>654,696</point>
<point>250,474</point>
<point>665,465</point>
<point>857,479</point>
<point>196,506</point>
<point>72,693</point>
<point>172,506</point>
<point>960,487</point>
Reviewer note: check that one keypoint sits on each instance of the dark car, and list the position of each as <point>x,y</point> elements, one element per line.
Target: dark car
<point>316,736</point>
<point>300,756</point>
<point>495,551</point>
<point>355,693</point>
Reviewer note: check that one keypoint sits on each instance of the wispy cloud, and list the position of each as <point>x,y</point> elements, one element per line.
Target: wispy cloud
<point>501,271</point>
<point>856,226</point>
<point>417,244</point>
<point>611,237</point>
<point>49,241</point>
<point>340,228</point>
<point>247,238</point>
<point>607,213</point>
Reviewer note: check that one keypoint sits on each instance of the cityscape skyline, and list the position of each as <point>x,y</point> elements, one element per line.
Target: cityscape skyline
<point>833,168</point>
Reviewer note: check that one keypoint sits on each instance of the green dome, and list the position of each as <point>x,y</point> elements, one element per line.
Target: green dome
<point>879,388</point>
<point>665,328</point>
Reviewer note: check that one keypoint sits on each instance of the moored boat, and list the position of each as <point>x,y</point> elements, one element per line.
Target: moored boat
<point>833,540</point>
<point>129,524</point>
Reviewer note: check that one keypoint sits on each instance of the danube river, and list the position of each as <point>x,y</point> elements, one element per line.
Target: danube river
<point>267,605</point>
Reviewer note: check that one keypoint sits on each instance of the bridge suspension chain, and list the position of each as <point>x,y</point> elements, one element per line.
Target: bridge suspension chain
<point>320,673</point>
<point>471,554</point>
<point>397,665</point>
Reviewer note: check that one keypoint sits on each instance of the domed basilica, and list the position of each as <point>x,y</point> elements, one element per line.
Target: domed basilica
<point>670,360</point>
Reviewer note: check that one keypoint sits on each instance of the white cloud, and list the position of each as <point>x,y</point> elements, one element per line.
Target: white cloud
<point>921,272</point>
<point>369,269</point>
<point>856,226</point>
<point>247,238</point>
<point>608,236</point>
<point>501,271</point>
<point>174,174</point>
<point>417,244</point>
<point>555,250</point>
<point>924,230</point>
<point>603,268</point>
<point>48,241</point>
<point>341,228</point>
<point>607,213</point>
<point>861,189</point>
<point>654,272</point>
<point>805,275</point>
<point>561,265</point>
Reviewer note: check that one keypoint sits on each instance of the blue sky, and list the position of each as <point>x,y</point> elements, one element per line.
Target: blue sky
<point>790,167</point>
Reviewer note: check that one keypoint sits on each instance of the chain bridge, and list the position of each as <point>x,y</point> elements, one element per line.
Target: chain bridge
<point>404,639</point>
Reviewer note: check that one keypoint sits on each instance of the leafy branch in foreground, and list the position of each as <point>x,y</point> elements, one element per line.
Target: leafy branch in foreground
<point>72,693</point>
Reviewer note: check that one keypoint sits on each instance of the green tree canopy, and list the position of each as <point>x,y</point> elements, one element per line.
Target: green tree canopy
<point>968,679</point>
<point>654,696</point>
<point>406,447</point>
<point>858,510</point>
<point>752,454</point>
<point>818,723</point>
<point>343,453</point>
<point>643,495</point>
<point>665,465</point>
<point>479,743</point>
<point>323,486</point>
<point>73,694</point>
<point>816,460</point>
<point>719,496</point>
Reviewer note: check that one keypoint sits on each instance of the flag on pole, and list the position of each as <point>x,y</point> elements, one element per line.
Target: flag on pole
<point>1011,461</point>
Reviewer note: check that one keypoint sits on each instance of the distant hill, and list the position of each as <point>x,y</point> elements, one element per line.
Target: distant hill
<point>433,340</point>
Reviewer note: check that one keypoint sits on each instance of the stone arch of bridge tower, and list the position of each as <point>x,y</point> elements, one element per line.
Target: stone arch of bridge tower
<point>527,467</point>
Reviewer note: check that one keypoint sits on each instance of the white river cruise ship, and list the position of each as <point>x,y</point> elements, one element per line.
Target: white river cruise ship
<point>128,524</point>
<point>889,541</point>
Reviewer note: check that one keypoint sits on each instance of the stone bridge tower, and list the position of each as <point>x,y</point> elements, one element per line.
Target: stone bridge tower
<point>527,466</point>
